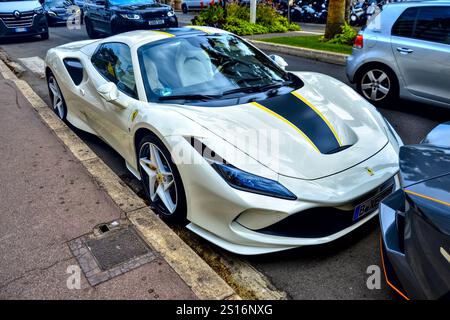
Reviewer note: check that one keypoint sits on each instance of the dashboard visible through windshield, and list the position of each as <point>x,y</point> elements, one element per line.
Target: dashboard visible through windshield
<point>208,67</point>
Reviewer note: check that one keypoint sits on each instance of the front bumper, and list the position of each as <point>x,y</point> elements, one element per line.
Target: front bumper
<point>59,19</point>
<point>10,28</point>
<point>392,252</point>
<point>413,265</point>
<point>124,24</point>
<point>233,219</point>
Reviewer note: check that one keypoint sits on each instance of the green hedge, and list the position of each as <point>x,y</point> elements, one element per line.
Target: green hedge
<point>238,17</point>
<point>346,36</point>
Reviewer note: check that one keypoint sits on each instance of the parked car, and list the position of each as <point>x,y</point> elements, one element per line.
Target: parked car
<point>80,4</point>
<point>415,221</point>
<point>57,11</point>
<point>196,5</point>
<point>198,93</point>
<point>404,52</point>
<point>22,18</point>
<point>109,17</point>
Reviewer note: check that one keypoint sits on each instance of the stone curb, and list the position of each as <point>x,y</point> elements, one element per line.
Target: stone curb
<point>196,273</point>
<point>324,56</point>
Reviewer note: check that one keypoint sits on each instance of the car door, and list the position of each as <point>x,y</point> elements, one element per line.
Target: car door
<point>112,63</point>
<point>99,15</point>
<point>421,45</point>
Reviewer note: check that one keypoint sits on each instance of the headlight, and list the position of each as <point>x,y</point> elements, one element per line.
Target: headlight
<point>38,11</point>
<point>245,181</point>
<point>170,14</point>
<point>52,14</point>
<point>131,16</point>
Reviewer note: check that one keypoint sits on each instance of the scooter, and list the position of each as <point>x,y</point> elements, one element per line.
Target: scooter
<point>321,16</point>
<point>358,14</point>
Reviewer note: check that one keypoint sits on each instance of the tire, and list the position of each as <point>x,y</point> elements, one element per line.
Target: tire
<point>90,29</point>
<point>58,103</point>
<point>148,166</point>
<point>184,8</point>
<point>372,79</point>
<point>44,36</point>
<point>115,28</point>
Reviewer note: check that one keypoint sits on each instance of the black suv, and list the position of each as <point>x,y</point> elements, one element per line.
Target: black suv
<point>111,17</point>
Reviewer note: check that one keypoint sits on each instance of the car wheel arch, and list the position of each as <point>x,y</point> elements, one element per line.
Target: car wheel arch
<point>139,134</point>
<point>375,64</point>
<point>48,71</point>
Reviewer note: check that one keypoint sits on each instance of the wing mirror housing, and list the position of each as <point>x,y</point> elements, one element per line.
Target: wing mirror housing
<point>279,61</point>
<point>110,93</point>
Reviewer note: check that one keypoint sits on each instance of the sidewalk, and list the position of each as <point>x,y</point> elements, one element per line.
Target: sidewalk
<point>47,198</point>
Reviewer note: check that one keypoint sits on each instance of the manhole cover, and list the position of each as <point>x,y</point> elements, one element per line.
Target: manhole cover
<point>116,247</point>
<point>111,254</point>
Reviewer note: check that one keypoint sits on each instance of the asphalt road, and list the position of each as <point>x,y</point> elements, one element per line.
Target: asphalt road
<point>334,271</point>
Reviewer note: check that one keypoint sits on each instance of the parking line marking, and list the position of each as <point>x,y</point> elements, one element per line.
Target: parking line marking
<point>35,65</point>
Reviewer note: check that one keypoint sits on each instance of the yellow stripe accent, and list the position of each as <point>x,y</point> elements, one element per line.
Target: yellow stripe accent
<point>200,28</point>
<point>427,197</point>
<point>164,33</point>
<point>256,104</point>
<point>320,115</point>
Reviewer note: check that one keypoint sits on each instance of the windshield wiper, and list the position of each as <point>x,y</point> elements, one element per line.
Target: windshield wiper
<point>188,97</point>
<point>257,88</point>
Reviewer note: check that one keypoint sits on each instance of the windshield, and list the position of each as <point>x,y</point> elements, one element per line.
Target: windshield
<point>208,65</point>
<point>131,2</point>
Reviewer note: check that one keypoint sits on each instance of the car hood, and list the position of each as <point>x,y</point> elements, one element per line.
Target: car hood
<point>329,130</point>
<point>62,9</point>
<point>9,7</point>
<point>422,162</point>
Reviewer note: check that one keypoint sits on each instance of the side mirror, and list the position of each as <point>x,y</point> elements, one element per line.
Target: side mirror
<point>110,93</point>
<point>279,61</point>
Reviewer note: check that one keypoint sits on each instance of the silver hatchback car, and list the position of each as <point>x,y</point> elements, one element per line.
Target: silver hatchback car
<point>404,52</point>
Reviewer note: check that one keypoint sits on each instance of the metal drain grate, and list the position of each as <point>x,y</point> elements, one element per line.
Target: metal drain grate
<point>111,254</point>
<point>117,247</point>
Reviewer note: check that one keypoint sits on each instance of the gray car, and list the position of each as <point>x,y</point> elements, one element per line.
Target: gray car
<point>404,52</point>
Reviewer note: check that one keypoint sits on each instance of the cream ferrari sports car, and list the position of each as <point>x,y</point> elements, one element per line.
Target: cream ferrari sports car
<point>254,158</point>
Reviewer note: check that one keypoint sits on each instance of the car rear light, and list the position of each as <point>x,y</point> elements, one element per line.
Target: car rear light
<point>358,41</point>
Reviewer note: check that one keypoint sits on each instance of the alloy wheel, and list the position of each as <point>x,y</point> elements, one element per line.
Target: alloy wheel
<point>375,85</point>
<point>57,99</point>
<point>161,182</point>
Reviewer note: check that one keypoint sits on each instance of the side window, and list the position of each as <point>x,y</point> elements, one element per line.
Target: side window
<point>433,24</point>
<point>404,26</point>
<point>113,61</point>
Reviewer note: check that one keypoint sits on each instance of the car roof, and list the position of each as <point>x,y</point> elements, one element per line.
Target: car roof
<point>141,37</point>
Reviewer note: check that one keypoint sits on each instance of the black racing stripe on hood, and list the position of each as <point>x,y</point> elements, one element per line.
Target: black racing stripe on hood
<point>305,119</point>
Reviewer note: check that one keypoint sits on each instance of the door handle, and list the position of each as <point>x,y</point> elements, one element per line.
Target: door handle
<point>404,50</point>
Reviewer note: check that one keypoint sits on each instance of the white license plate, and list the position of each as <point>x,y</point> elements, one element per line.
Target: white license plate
<point>156,22</point>
<point>21,29</point>
<point>371,204</point>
